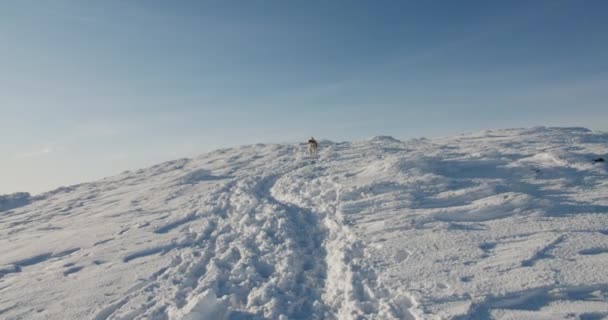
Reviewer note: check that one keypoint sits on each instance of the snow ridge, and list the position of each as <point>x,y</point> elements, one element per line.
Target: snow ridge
<point>504,224</point>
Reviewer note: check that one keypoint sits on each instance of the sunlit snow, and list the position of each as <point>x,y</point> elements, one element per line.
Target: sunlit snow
<point>504,224</point>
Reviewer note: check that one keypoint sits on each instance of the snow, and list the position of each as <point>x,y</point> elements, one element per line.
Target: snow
<point>503,224</point>
<point>15,200</point>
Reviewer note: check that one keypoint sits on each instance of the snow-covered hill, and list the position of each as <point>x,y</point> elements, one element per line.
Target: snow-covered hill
<point>507,224</point>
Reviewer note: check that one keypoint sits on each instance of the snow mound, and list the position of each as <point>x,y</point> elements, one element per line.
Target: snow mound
<point>491,207</point>
<point>501,224</point>
<point>383,139</point>
<point>559,158</point>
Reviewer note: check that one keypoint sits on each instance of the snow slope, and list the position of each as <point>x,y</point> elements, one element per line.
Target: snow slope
<point>14,200</point>
<point>506,224</point>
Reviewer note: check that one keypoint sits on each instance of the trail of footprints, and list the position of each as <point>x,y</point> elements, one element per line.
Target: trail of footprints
<point>235,255</point>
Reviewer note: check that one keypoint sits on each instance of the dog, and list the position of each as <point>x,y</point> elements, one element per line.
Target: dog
<point>312,146</point>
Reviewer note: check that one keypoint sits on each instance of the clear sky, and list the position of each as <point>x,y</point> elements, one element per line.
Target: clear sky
<point>92,88</point>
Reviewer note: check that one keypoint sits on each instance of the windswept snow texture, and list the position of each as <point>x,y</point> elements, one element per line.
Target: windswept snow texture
<point>508,224</point>
<point>15,200</point>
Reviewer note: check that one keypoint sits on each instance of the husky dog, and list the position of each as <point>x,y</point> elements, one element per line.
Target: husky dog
<point>312,146</point>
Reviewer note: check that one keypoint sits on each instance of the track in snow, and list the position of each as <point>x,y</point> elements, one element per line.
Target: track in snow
<point>261,256</point>
<point>254,258</point>
<point>352,288</point>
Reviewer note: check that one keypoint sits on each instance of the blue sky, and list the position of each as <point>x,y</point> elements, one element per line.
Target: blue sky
<point>92,88</point>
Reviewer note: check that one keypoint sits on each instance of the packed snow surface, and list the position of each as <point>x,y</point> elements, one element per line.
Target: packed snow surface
<point>506,224</point>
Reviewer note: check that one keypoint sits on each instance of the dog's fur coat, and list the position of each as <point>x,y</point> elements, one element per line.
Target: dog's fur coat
<point>312,147</point>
